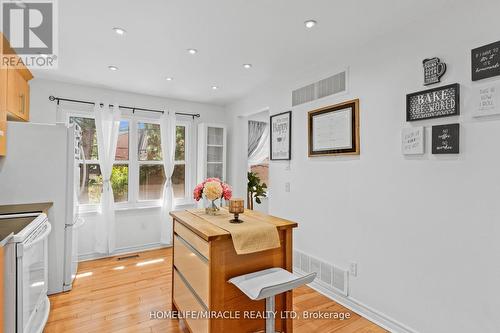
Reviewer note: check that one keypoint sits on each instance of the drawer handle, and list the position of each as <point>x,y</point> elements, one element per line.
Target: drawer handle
<point>192,249</point>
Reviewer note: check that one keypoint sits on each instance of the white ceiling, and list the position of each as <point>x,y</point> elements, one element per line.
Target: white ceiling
<point>269,34</point>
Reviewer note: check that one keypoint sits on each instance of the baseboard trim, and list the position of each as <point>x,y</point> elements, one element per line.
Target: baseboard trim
<point>354,305</point>
<point>122,250</point>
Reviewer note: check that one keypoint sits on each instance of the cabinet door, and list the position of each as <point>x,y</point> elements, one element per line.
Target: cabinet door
<point>24,95</point>
<point>13,95</point>
<point>3,140</point>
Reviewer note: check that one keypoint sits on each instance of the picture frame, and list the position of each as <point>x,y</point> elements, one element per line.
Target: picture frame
<point>433,103</point>
<point>280,136</point>
<point>485,61</point>
<point>334,130</point>
<point>446,139</point>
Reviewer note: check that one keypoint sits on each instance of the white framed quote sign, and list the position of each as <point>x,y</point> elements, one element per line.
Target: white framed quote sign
<point>281,136</point>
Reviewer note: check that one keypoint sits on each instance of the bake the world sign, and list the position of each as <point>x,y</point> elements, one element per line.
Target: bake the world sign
<point>433,103</point>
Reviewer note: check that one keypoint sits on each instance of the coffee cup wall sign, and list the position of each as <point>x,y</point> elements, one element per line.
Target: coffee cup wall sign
<point>433,103</point>
<point>412,141</point>
<point>485,61</point>
<point>434,69</point>
<point>446,139</point>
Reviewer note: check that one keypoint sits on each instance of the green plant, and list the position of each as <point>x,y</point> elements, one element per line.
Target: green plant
<point>255,190</point>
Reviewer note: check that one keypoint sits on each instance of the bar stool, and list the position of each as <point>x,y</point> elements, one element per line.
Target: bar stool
<point>267,284</point>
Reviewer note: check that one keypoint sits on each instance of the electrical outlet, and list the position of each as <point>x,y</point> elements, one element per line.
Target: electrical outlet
<point>353,269</point>
<point>287,187</point>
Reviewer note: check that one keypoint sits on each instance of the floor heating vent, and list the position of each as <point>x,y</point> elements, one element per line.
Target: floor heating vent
<point>331,85</point>
<point>133,256</point>
<point>329,276</point>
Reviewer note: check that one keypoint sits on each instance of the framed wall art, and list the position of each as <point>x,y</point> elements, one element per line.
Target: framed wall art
<point>485,61</point>
<point>434,69</point>
<point>446,139</point>
<point>412,141</point>
<point>334,130</point>
<point>433,103</point>
<point>281,136</point>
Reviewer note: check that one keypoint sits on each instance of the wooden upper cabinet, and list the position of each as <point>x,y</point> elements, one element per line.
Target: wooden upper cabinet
<point>14,94</point>
<point>15,90</point>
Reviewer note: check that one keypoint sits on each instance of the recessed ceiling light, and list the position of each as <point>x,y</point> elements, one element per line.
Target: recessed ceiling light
<point>113,68</point>
<point>310,23</point>
<point>169,78</point>
<point>247,66</point>
<point>119,31</point>
<point>192,51</point>
<point>215,87</point>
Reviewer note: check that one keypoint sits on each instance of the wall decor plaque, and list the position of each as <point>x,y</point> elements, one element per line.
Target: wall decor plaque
<point>446,139</point>
<point>434,69</point>
<point>486,100</point>
<point>412,141</point>
<point>281,136</point>
<point>485,61</point>
<point>433,103</point>
<point>334,130</point>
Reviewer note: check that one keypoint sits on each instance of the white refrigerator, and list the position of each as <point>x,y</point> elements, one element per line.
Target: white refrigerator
<point>41,165</point>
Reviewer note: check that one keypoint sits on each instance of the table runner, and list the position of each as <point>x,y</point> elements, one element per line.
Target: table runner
<point>251,236</point>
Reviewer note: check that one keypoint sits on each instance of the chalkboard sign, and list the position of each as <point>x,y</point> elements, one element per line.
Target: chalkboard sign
<point>446,139</point>
<point>486,61</point>
<point>433,103</point>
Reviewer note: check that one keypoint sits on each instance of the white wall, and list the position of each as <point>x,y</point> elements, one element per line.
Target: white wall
<point>138,228</point>
<point>425,230</point>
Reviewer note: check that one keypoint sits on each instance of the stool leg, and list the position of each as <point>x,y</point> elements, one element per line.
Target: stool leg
<point>270,315</point>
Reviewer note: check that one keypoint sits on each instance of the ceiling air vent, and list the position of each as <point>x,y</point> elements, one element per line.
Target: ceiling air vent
<point>332,85</point>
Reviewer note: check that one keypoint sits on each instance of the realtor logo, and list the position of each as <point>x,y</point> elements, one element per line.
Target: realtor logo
<point>30,28</point>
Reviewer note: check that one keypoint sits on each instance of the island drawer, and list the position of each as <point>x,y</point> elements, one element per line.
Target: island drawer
<point>194,240</point>
<point>193,267</point>
<point>187,301</point>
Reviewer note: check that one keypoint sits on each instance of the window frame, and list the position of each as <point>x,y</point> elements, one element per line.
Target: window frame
<point>134,164</point>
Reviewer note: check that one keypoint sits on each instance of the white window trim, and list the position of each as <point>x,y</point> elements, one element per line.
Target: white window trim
<point>133,186</point>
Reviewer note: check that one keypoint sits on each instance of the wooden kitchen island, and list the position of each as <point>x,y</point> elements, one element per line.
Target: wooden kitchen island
<point>205,259</point>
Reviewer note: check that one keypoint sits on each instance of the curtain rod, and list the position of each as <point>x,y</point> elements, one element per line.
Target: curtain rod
<point>60,99</point>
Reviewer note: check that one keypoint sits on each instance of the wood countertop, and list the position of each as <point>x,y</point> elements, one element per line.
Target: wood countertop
<point>7,230</point>
<point>209,231</point>
<point>26,208</point>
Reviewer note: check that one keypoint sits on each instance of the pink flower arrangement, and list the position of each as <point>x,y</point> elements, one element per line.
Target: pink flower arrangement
<point>227,191</point>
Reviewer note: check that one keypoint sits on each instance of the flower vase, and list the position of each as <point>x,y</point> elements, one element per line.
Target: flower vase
<point>211,207</point>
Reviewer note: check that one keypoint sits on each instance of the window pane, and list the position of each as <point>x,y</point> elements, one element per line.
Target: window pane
<point>214,170</point>
<point>180,147</point>
<point>119,182</point>
<point>179,181</point>
<point>92,184</point>
<point>151,180</point>
<point>215,136</point>
<point>149,143</point>
<point>89,136</point>
<point>123,142</point>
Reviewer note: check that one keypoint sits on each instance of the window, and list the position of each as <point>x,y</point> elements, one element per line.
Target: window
<point>151,174</point>
<point>138,177</point>
<point>179,174</point>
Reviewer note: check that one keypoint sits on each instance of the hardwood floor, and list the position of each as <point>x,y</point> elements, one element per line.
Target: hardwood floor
<point>112,296</point>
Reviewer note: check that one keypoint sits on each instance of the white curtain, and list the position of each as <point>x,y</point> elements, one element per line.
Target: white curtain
<point>168,129</point>
<point>258,148</point>
<point>107,126</point>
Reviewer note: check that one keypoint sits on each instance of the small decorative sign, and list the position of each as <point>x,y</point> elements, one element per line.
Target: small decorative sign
<point>446,139</point>
<point>485,61</point>
<point>433,103</point>
<point>487,101</point>
<point>281,136</point>
<point>434,69</point>
<point>412,141</point>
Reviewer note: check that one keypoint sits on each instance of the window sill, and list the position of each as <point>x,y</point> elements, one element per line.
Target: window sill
<point>93,209</point>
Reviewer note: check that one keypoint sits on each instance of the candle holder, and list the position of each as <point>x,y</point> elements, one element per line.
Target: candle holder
<point>236,207</point>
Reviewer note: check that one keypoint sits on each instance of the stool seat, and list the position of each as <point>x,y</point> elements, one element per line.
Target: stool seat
<point>267,284</point>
